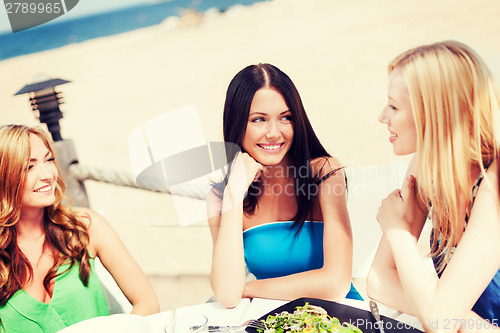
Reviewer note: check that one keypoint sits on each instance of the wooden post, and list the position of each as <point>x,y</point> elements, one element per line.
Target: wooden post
<point>66,156</point>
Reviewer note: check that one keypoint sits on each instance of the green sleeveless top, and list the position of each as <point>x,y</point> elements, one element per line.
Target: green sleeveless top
<point>71,303</point>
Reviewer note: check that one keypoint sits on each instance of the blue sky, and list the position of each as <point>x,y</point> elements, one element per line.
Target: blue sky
<point>84,7</point>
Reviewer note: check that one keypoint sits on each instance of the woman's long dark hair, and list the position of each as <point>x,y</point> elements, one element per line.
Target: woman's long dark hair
<point>305,146</point>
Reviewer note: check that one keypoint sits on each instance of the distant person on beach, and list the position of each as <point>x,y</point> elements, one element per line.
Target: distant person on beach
<point>443,105</point>
<point>47,249</point>
<point>281,211</point>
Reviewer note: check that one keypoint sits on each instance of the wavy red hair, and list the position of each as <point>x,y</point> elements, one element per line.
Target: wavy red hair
<point>66,234</point>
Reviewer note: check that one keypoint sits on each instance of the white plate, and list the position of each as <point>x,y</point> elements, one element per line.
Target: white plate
<point>118,323</point>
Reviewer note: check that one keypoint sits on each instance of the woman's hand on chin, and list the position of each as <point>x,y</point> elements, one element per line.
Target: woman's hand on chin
<point>244,171</point>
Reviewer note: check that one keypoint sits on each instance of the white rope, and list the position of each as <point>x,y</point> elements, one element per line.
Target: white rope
<point>81,173</point>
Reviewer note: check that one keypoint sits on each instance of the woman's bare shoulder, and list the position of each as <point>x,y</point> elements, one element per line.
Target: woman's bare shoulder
<point>88,216</point>
<point>325,165</point>
<point>325,162</point>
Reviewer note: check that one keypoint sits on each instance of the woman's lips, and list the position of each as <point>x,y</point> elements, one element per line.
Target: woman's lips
<point>393,137</point>
<point>271,148</point>
<point>44,189</point>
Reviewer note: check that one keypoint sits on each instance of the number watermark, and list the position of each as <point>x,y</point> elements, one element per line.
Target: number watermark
<point>26,14</point>
<point>456,324</point>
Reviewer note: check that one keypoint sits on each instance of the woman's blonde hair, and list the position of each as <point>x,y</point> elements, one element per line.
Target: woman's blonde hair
<point>65,233</point>
<point>455,103</point>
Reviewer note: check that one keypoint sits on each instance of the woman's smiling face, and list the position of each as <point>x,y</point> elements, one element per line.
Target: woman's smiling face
<point>41,178</point>
<point>269,132</point>
<point>398,116</point>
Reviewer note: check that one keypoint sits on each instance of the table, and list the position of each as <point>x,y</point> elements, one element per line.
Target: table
<point>216,314</point>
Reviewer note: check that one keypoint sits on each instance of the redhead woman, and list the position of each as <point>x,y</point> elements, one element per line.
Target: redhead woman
<point>281,212</point>
<point>443,105</point>
<point>47,250</point>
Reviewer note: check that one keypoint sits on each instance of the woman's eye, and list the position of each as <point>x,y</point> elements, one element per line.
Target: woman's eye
<point>287,118</point>
<point>392,107</point>
<point>257,120</point>
<point>51,160</point>
<point>30,167</point>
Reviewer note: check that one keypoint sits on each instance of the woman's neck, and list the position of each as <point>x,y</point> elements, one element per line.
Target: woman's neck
<point>30,224</point>
<point>277,174</point>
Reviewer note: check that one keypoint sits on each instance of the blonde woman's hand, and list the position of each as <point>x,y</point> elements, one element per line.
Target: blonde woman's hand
<point>244,171</point>
<point>398,209</point>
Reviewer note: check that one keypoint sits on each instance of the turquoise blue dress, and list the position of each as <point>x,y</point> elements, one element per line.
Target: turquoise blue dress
<point>488,304</point>
<point>275,249</point>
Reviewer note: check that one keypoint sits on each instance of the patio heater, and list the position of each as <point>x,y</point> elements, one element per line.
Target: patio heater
<point>45,100</point>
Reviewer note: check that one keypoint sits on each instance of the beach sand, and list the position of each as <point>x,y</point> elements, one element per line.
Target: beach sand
<point>335,51</point>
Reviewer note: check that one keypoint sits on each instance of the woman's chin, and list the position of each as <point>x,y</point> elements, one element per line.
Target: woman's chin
<point>270,160</point>
<point>268,163</point>
<point>402,152</point>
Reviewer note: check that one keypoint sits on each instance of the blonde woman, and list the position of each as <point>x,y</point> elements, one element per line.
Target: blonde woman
<point>443,105</point>
<point>47,250</point>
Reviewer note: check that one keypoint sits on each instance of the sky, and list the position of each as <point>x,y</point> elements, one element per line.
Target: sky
<point>83,8</point>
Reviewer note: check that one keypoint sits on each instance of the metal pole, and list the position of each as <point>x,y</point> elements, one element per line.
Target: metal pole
<point>45,101</point>
<point>66,156</point>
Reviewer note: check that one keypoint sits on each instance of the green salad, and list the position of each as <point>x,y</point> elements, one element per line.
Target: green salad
<point>306,319</point>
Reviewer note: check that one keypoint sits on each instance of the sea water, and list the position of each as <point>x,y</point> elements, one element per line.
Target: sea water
<point>53,35</point>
